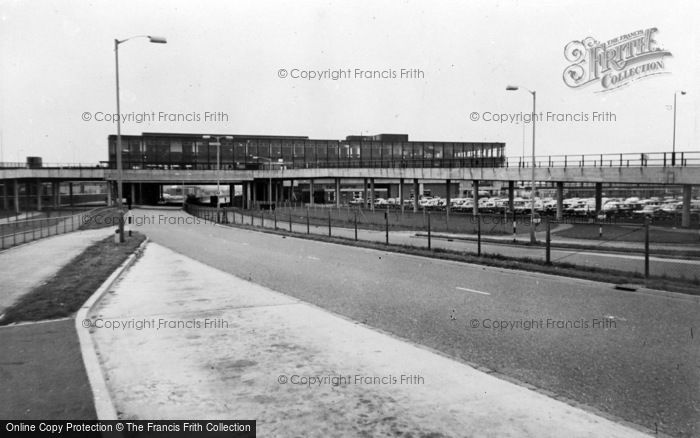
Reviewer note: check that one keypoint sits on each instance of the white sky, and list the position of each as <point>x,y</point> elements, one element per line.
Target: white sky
<point>57,62</point>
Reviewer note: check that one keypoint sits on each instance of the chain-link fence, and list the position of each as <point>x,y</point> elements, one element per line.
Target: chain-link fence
<point>641,249</point>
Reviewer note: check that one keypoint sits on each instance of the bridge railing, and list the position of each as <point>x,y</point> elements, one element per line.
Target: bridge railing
<point>21,165</point>
<point>646,159</point>
<point>641,159</point>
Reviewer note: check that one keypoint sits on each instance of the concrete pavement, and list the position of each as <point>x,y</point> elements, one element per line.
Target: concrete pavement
<point>27,266</point>
<point>196,342</point>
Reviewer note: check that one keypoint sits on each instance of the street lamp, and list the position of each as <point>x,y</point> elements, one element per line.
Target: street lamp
<point>217,143</point>
<point>532,194</point>
<point>152,39</point>
<point>269,191</point>
<point>673,153</point>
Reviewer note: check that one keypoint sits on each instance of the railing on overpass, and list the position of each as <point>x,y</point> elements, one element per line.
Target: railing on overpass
<point>22,165</point>
<point>645,159</point>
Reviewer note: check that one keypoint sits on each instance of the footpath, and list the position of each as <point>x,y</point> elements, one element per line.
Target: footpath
<point>42,371</point>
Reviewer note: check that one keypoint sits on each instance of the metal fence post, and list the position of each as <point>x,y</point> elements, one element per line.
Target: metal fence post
<point>308,227</point>
<point>386,225</point>
<point>548,245</point>
<point>355,225</point>
<point>290,220</point>
<point>646,248</point>
<point>274,215</point>
<point>429,230</point>
<point>478,235</point>
<point>329,222</point>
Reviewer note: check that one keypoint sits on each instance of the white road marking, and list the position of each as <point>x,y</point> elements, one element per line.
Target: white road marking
<point>312,258</point>
<point>472,290</point>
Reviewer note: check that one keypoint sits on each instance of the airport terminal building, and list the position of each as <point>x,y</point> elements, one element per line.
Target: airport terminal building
<point>252,152</point>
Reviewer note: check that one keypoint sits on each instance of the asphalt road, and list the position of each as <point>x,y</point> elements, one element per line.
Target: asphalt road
<point>633,355</point>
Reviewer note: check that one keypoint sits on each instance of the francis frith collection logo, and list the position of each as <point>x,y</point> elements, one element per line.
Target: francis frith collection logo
<point>616,62</point>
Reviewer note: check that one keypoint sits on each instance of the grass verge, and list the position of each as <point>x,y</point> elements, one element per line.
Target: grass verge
<point>66,292</point>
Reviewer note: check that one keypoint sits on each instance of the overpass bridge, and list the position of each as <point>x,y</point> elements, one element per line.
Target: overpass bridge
<point>267,182</point>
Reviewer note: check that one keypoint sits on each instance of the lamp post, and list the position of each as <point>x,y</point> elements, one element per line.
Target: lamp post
<point>673,152</point>
<point>532,194</point>
<point>152,39</point>
<point>217,143</point>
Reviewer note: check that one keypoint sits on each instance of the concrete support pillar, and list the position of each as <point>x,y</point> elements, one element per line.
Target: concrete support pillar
<point>511,197</point>
<point>39,186</point>
<point>365,199</point>
<point>15,184</point>
<point>254,193</point>
<point>133,193</point>
<point>685,217</point>
<point>372,194</point>
<point>311,192</point>
<point>401,192</point>
<point>4,195</point>
<point>246,195</point>
<point>598,197</point>
<point>560,200</point>
<point>448,194</point>
<point>56,194</point>
<point>416,196</point>
<point>337,192</point>
<point>109,194</point>
<point>475,195</point>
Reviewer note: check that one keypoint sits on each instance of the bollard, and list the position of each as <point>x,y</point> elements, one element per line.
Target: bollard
<point>116,236</point>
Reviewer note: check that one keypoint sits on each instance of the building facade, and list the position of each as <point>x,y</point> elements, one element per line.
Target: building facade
<point>251,152</point>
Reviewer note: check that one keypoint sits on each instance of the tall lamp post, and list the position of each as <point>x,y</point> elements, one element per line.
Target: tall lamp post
<point>152,39</point>
<point>217,143</point>
<point>532,194</point>
<point>673,153</point>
